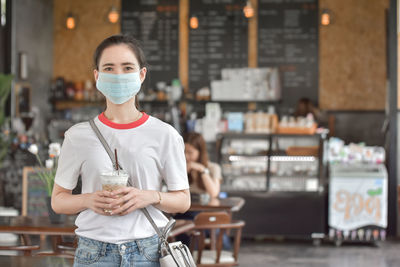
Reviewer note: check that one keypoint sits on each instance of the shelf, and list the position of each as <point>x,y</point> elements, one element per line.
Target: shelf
<point>293,177</point>
<point>245,155</point>
<point>158,102</point>
<point>70,104</point>
<point>294,191</point>
<point>244,175</point>
<point>243,158</point>
<point>294,158</point>
<point>236,135</point>
<point>241,190</point>
<point>240,135</point>
<point>268,102</point>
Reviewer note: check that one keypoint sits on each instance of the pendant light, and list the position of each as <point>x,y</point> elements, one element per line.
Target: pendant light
<point>248,10</point>
<point>70,21</point>
<point>113,15</point>
<point>326,17</point>
<point>194,22</point>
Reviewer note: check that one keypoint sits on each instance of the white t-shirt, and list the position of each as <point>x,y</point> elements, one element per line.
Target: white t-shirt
<point>148,149</point>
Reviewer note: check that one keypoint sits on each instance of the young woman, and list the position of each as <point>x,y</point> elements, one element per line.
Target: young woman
<point>149,151</point>
<point>204,176</point>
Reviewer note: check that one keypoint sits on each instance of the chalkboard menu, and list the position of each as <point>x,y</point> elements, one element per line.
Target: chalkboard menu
<point>220,41</point>
<point>33,193</point>
<point>156,24</point>
<point>288,39</point>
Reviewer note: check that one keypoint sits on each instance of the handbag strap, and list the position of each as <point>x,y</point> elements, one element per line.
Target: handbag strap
<point>105,145</point>
<point>162,235</point>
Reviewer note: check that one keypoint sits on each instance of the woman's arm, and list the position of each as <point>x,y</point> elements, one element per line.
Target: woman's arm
<point>62,201</point>
<point>133,199</point>
<point>212,185</point>
<point>173,201</point>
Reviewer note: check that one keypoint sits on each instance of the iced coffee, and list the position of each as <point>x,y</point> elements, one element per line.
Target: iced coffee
<point>113,180</point>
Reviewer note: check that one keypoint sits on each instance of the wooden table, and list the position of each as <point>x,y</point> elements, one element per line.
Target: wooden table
<point>25,226</point>
<point>36,226</point>
<point>230,204</point>
<point>21,261</point>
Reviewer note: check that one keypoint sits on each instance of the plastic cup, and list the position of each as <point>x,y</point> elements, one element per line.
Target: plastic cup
<point>114,180</point>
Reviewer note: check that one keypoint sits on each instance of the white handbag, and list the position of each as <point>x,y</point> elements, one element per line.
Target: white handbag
<point>177,255</point>
<point>173,254</point>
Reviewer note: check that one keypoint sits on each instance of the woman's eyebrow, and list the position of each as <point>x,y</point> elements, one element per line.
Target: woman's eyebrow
<point>108,64</point>
<point>128,63</point>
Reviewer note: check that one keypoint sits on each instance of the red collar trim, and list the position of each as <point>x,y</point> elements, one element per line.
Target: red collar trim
<point>125,126</point>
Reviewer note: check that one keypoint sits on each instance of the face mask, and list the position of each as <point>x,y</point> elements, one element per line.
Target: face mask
<point>119,88</point>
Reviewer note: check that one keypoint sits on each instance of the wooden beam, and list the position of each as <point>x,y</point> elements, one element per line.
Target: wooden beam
<point>184,44</point>
<point>253,36</point>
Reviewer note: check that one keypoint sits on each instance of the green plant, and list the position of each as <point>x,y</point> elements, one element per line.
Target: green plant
<point>47,171</point>
<point>5,138</point>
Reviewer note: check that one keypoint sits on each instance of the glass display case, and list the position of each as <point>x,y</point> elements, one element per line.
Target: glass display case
<point>282,179</point>
<point>261,162</point>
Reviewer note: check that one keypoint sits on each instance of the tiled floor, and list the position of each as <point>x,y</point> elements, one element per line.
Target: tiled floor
<point>304,254</point>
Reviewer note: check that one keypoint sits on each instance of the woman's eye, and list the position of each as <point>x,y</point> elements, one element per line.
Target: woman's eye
<point>129,68</point>
<point>108,69</point>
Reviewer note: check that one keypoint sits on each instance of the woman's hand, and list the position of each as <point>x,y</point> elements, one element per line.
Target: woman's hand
<point>195,166</point>
<point>132,199</point>
<point>100,202</point>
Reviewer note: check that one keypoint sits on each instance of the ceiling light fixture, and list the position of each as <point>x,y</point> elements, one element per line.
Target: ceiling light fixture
<point>70,22</point>
<point>113,15</point>
<point>194,22</point>
<point>248,10</point>
<point>326,17</point>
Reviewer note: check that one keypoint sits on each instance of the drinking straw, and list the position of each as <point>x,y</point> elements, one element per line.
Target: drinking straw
<point>116,161</point>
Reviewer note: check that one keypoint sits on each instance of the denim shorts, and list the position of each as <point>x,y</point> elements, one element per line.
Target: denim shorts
<point>141,252</point>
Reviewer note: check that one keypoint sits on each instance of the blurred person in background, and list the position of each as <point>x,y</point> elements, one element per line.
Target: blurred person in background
<point>204,176</point>
<point>305,106</point>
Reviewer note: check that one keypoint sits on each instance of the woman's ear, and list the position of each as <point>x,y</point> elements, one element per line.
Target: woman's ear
<point>143,72</point>
<point>96,74</point>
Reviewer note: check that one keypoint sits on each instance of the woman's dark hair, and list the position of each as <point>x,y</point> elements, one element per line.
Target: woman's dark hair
<point>197,141</point>
<point>119,39</point>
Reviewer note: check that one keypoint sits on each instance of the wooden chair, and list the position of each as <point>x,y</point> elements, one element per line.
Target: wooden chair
<point>216,224</point>
<point>60,248</point>
<point>181,226</point>
<point>24,246</point>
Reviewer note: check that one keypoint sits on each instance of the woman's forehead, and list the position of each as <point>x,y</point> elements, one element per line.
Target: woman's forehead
<point>118,54</point>
<point>189,146</point>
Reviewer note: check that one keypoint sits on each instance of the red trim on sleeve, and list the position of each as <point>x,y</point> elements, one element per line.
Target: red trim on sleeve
<point>131,125</point>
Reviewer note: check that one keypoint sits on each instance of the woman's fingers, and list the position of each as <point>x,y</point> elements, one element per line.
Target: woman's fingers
<point>106,194</point>
<point>128,206</point>
<point>102,211</point>
<point>127,200</point>
<point>102,203</point>
<point>121,191</point>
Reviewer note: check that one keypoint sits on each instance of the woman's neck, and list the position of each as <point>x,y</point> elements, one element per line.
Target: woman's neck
<point>123,113</point>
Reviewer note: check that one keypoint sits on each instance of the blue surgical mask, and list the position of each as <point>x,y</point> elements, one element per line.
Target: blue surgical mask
<point>119,88</point>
